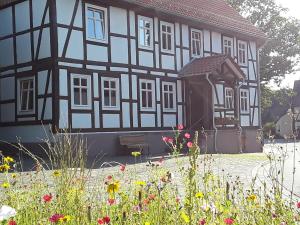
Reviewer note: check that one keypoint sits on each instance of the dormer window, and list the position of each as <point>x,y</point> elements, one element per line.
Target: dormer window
<point>167,37</point>
<point>96,23</point>
<point>242,50</point>
<point>228,46</point>
<point>196,41</point>
<point>145,32</point>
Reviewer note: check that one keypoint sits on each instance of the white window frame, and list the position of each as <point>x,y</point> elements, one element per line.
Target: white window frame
<point>19,99</point>
<point>227,106</point>
<point>96,8</point>
<point>116,89</point>
<point>89,91</point>
<point>246,99</point>
<point>153,108</point>
<point>226,45</point>
<point>150,20</point>
<point>201,43</point>
<point>245,52</point>
<point>163,23</point>
<point>169,92</point>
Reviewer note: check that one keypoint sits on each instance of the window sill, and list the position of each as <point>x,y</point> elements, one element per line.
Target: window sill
<point>104,41</point>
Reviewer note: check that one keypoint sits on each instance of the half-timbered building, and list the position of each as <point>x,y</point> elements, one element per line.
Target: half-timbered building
<point>109,68</point>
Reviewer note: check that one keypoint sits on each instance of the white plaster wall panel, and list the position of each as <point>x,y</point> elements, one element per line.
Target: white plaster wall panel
<point>253,101</point>
<point>179,90</point>
<point>186,57</point>
<point>119,69</point>
<point>156,28</point>
<point>97,53</point>
<point>132,23</point>
<point>62,36</point>
<point>7,27</point>
<point>42,80</point>
<point>146,59</point>
<point>219,89</point>
<point>252,70</point>
<point>157,55</point>
<point>206,39</point>
<point>158,113</point>
<point>23,69</point>
<point>118,20</point>
<point>253,50</point>
<point>63,82</point>
<point>75,47</point>
<point>80,120</point>
<point>180,114</point>
<point>178,59</point>
<point>23,48</point>
<point>63,114</point>
<point>135,115</point>
<point>158,89</point>
<point>177,33</point>
<point>126,114</point>
<point>125,86</point>
<point>133,51</point>
<point>7,88</point>
<point>45,49</point>
<point>97,114</point>
<point>64,11</point>
<point>216,42</point>
<point>48,108</point>
<point>78,18</point>
<point>169,120</point>
<point>111,121</point>
<point>119,50</point>
<point>147,120</point>
<point>94,67</point>
<point>245,121</point>
<point>96,85</point>
<point>185,36</point>
<point>134,87</point>
<point>38,7</point>
<point>168,62</point>
<point>255,118</point>
<point>22,16</point>
<point>7,112</point>
<point>245,70</point>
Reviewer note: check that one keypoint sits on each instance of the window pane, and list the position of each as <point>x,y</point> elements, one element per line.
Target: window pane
<point>149,86</point>
<point>147,38</point>
<point>112,84</point>
<point>84,82</point>
<point>143,85</point>
<point>99,30</point>
<point>144,99</point>
<point>76,96</point>
<point>91,29</point>
<point>24,84</point>
<point>97,15</point>
<point>165,87</point>
<point>169,29</point>
<point>90,13</point>
<point>149,99</point>
<point>76,81</point>
<point>30,101</point>
<point>31,84</point>
<point>106,84</point>
<point>113,98</point>
<point>84,97</point>
<point>23,100</point>
<point>163,27</point>
<point>106,98</point>
<point>166,100</point>
<point>164,41</point>
<point>142,36</point>
<point>169,47</point>
<point>171,101</point>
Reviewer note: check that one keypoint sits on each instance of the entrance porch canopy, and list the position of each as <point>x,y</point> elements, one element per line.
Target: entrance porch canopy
<point>221,67</point>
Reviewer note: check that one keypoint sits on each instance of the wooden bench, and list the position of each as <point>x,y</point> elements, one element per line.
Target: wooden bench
<point>134,143</point>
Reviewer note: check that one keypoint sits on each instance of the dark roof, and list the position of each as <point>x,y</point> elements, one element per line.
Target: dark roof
<point>212,12</point>
<point>211,65</point>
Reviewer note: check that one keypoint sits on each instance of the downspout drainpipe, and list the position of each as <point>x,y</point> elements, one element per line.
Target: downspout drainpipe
<point>239,115</point>
<point>213,110</point>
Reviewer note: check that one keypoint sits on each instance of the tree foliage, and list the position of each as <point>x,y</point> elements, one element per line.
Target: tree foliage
<point>280,55</point>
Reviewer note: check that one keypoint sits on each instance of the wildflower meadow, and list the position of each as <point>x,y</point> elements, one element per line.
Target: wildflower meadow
<point>63,191</point>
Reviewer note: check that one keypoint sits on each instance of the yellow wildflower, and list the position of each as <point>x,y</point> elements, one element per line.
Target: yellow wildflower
<point>4,167</point>
<point>199,195</point>
<point>185,217</point>
<point>14,176</point>
<point>8,159</point>
<point>56,173</point>
<point>65,219</point>
<point>142,183</point>
<point>113,187</point>
<point>251,197</point>
<point>5,185</point>
<point>135,154</point>
<point>147,223</point>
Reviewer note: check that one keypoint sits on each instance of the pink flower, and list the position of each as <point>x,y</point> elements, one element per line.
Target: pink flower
<point>177,199</point>
<point>202,222</point>
<point>180,127</point>
<point>55,218</point>
<point>187,135</point>
<point>47,198</point>
<point>298,205</point>
<point>170,140</point>
<point>189,144</point>
<point>229,221</point>
<point>104,220</point>
<point>122,167</point>
<point>165,139</point>
<point>111,201</point>
<point>109,177</point>
<point>12,222</point>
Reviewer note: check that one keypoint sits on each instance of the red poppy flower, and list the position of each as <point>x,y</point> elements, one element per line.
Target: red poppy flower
<point>55,218</point>
<point>47,198</point>
<point>298,205</point>
<point>111,201</point>
<point>229,221</point>
<point>12,222</point>
<point>122,167</point>
<point>151,197</point>
<point>100,221</point>
<point>109,177</point>
<point>106,219</point>
<point>202,222</point>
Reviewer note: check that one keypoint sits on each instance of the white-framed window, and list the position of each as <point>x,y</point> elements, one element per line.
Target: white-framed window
<point>196,42</point>
<point>242,52</point>
<point>145,32</point>
<point>26,95</point>
<point>167,37</point>
<point>96,23</point>
<point>244,96</point>
<point>147,95</point>
<point>229,98</point>
<point>169,96</point>
<point>228,46</point>
<point>110,93</point>
<point>81,91</point>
